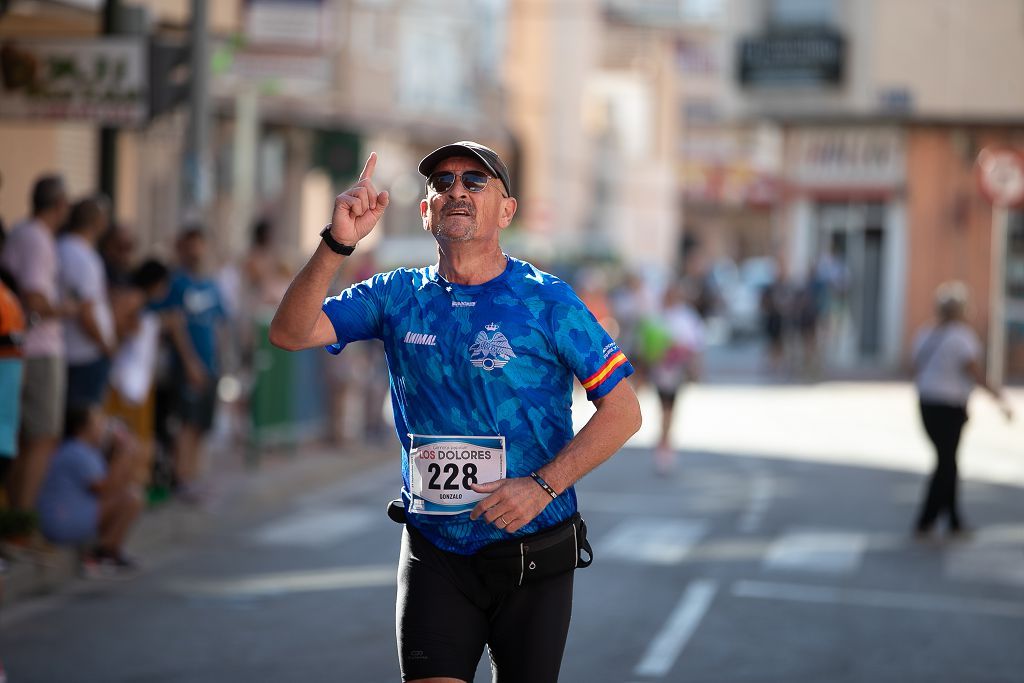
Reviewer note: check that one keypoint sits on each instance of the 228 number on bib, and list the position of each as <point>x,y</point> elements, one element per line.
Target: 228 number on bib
<point>468,472</point>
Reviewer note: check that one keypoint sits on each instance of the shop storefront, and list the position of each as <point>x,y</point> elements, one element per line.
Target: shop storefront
<point>845,207</point>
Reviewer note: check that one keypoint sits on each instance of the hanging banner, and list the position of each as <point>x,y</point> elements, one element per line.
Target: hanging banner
<point>97,80</point>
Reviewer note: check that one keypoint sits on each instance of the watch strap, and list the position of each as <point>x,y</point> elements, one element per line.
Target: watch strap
<point>336,246</point>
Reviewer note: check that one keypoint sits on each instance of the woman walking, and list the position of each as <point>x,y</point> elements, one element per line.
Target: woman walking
<point>946,367</point>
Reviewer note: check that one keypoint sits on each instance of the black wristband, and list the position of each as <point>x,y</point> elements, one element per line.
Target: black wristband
<point>336,246</point>
<point>544,485</point>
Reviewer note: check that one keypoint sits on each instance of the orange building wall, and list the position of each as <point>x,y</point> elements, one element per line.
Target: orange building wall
<point>949,221</point>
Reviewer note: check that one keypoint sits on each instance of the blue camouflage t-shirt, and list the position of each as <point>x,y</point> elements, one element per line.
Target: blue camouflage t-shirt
<point>489,360</point>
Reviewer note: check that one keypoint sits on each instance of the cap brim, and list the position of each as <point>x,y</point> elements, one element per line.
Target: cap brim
<point>430,161</point>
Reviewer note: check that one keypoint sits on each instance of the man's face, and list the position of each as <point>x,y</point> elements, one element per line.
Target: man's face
<point>192,251</point>
<point>459,215</point>
<point>63,208</point>
<point>101,224</point>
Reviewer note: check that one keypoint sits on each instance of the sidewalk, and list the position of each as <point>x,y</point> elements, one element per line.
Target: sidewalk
<point>237,492</point>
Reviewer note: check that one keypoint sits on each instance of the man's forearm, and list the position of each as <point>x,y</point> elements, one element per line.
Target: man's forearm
<point>91,327</point>
<point>617,418</point>
<point>300,308</point>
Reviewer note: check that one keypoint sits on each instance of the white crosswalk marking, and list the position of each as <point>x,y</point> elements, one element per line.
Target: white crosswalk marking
<point>652,540</point>
<point>315,527</point>
<point>988,564</point>
<point>664,650</point>
<point>817,550</point>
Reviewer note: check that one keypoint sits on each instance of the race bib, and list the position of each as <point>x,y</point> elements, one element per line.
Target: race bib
<point>442,469</point>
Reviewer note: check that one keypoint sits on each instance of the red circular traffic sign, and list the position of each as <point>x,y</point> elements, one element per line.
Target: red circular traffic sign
<point>1001,175</point>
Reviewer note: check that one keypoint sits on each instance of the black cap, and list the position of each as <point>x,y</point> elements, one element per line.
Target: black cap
<point>467,148</point>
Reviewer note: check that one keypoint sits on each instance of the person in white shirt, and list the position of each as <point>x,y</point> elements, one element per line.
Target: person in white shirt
<point>680,362</point>
<point>30,256</point>
<point>89,338</point>
<point>947,365</point>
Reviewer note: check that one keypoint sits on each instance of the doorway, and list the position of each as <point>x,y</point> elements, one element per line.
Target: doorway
<point>854,235</point>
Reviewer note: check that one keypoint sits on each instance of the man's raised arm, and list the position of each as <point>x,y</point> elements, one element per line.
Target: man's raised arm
<point>300,322</point>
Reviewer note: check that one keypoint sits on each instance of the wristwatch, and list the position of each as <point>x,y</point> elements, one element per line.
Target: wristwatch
<point>336,246</point>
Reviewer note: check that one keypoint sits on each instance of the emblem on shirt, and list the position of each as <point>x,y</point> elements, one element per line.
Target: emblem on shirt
<point>489,352</point>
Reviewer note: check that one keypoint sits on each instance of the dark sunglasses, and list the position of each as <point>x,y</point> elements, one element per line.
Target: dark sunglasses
<point>473,181</point>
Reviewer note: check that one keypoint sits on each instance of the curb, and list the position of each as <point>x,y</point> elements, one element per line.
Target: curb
<point>238,492</point>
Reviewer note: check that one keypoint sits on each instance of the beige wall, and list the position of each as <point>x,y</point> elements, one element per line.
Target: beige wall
<point>551,51</point>
<point>958,59</point>
<point>30,150</point>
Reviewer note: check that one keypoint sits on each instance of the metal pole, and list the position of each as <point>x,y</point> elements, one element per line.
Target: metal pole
<point>108,134</point>
<point>246,144</point>
<point>997,297</point>
<point>195,165</point>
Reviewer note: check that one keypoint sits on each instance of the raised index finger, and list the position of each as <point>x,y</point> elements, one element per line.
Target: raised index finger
<point>371,163</point>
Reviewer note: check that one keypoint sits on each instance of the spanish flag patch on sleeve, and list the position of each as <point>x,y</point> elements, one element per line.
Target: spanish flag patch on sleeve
<point>594,381</point>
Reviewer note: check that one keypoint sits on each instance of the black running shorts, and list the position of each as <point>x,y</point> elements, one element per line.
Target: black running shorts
<point>446,616</point>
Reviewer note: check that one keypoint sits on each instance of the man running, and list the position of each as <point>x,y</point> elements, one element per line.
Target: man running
<point>482,349</point>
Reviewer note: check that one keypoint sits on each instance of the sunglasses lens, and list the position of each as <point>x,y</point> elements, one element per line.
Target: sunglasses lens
<point>441,182</point>
<point>474,181</point>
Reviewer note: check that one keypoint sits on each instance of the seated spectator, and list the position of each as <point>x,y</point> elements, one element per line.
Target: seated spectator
<point>88,497</point>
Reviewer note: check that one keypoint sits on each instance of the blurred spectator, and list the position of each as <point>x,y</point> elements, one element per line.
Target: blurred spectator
<point>947,365</point>
<point>87,497</point>
<point>196,314</point>
<point>89,337</point>
<point>117,249</point>
<point>12,331</point>
<point>679,362</point>
<point>807,302</point>
<point>131,395</point>
<point>777,317</point>
<point>30,256</point>
<point>633,304</point>
<point>592,288</point>
<point>267,275</point>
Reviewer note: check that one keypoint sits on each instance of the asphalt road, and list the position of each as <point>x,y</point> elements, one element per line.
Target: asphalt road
<point>737,568</point>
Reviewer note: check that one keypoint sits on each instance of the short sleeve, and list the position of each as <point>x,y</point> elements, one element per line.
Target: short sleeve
<point>89,467</point>
<point>969,345</point>
<point>356,313</point>
<point>77,276</point>
<point>37,264</point>
<point>586,348</point>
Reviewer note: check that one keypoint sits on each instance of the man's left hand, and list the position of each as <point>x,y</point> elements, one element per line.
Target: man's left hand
<point>513,503</point>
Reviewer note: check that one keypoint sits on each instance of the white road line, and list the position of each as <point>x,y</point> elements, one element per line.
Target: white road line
<point>291,582</point>
<point>664,650</point>
<point>875,598</point>
<point>820,550</point>
<point>652,540</point>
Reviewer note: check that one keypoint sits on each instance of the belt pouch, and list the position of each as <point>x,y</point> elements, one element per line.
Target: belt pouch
<point>507,564</point>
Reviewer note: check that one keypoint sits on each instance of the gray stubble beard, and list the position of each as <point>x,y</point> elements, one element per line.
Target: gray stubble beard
<point>441,234</point>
